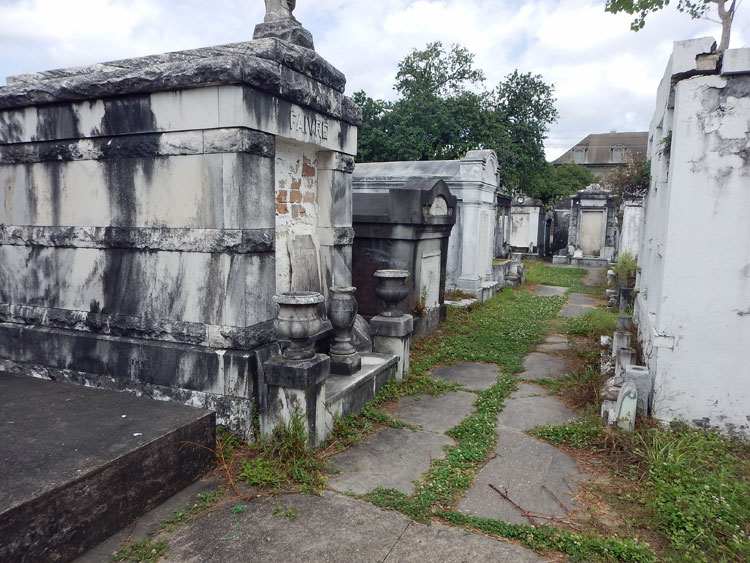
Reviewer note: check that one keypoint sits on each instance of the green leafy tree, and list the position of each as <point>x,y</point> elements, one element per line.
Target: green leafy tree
<point>630,181</point>
<point>442,112</point>
<point>694,8</point>
<point>561,181</point>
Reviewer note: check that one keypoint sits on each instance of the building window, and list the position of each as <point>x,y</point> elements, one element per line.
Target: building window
<point>618,154</point>
<point>578,154</point>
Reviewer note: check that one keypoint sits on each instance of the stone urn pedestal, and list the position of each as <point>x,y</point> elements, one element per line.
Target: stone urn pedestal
<point>342,312</point>
<point>392,329</point>
<point>296,380</point>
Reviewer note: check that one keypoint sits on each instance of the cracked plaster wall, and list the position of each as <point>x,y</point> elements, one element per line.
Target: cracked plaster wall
<point>693,305</point>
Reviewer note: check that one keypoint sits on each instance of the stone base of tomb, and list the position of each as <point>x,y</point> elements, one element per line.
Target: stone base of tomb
<point>79,464</point>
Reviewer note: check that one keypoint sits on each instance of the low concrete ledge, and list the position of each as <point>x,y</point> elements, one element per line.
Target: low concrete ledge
<point>348,394</point>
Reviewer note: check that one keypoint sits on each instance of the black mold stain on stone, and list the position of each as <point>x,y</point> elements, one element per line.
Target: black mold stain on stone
<point>260,105</point>
<point>123,282</point>
<point>215,292</point>
<point>31,195</point>
<point>128,115</point>
<point>10,126</point>
<point>57,122</point>
<point>54,173</point>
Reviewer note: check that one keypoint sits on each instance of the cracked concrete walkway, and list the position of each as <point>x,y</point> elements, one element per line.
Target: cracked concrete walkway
<point>335,527</point>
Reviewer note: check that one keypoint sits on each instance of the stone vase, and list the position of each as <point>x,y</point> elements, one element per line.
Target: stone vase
<point>297,321</point>
<point>342,311</point>
<point>391,289</point>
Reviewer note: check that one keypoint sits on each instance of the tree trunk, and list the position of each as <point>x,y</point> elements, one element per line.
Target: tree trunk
<point>726,15</point>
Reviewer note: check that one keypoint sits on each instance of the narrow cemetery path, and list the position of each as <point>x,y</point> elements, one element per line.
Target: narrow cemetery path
<point>524,481</point>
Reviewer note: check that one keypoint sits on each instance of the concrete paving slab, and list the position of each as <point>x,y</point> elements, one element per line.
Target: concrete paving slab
<point>525,412</point>
<point>594,276</point>
<point>391,459</point>
<point>330,528</point>
<point>542,366</point>
<point>555,347</point>
<point>549,290</point>
<point>474,376</point>
<point>582,299</point>
<point>528,469</point>
<point>436,414</point>
<point>438,542</point>
<point>556,339</point>
<point>578,305</point>
<point>528,390</point>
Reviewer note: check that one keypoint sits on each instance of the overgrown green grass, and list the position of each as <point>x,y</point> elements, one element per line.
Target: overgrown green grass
<point>696,484</point>
<point>499,332</point>
<point>544,274</point>
<point>145,550</point>
<point>698,492</point>
<point>203,502</point>
<point>594,323</point>
<point>284,460</point>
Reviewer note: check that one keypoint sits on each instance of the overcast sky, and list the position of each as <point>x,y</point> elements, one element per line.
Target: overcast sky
<point>605,75</point>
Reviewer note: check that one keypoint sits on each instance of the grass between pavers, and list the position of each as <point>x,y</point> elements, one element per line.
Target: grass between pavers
<point>500,331</point>
<point>544,274</point>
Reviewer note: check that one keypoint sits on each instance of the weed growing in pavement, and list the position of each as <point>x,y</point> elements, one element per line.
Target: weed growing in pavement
<point>594,323</point>
<point>580,433</point>
<point>202,502</point>
<point>581,547</point>
<point>145,550</point>
<point>499,331</point>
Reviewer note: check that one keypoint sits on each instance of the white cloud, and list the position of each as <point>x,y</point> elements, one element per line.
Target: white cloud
<point>605,76</point>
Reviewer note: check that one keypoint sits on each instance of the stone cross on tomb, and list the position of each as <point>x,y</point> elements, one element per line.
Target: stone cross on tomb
<point>277,10</point>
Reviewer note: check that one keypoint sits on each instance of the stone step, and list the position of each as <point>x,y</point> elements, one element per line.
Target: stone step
<point>347,394</point>
<point>78,464</point>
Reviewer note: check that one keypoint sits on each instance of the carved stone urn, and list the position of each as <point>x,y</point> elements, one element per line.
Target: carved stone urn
<point>342,311</point>
<point>391,289</point>
<point>298,321</point>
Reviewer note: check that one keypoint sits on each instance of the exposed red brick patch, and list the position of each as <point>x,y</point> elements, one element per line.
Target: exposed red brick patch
<point>281,196</point>
<point>308,197</point>
<point>295,196</point>
<point>307,168</point>
<point>296,183</point>
<point>281,209</point>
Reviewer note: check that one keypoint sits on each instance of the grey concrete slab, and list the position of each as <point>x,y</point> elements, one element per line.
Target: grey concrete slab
<point>594,276</point>
<point>556,347</point>
<point>530,471</point>
<point>524,412</point>
<point>436,414</point>
<point>582,299</point>
<point>474,376</point>
<point>330,528</point>
<point>541,366</point>
<point>555,339</point>
<point>549,290</point>
<point>391,459</point>
<point>437,542</point>
<point>528,390</point>
<point>578,305</point>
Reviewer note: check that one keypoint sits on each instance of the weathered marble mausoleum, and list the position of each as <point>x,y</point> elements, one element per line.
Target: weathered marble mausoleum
<point>404,227</point>
<point>475,183</point>
<point>152,207</point>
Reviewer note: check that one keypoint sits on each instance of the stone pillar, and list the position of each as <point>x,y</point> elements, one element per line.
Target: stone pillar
<point>621,339</point>
<point>392,335</point>
<point>297,387</point>
<point>625,357</point>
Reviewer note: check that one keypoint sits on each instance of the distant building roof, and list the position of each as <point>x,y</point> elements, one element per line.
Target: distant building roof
<point>606,149</point>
